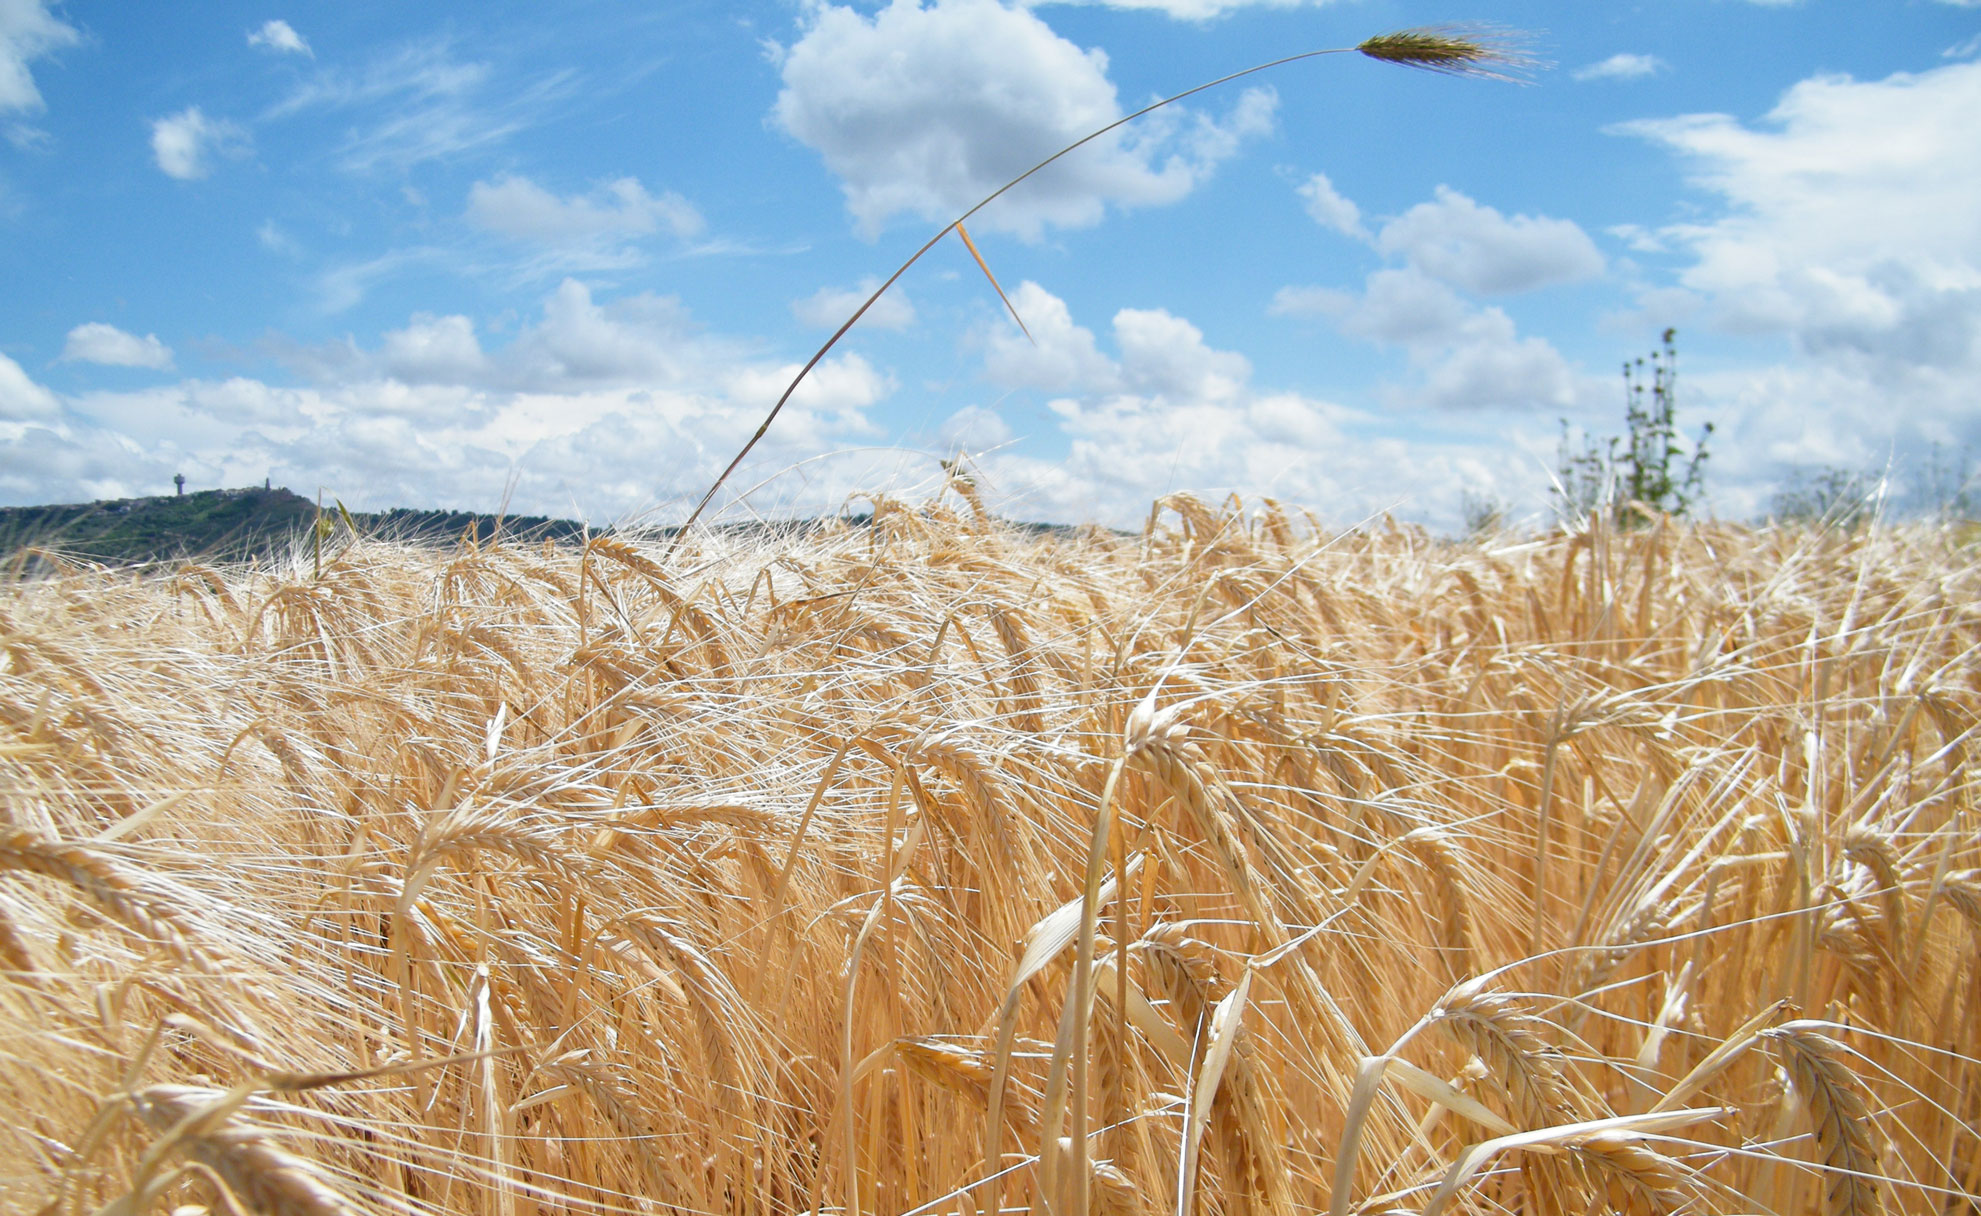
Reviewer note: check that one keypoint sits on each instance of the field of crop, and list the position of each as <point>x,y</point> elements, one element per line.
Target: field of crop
<point>925,866</point>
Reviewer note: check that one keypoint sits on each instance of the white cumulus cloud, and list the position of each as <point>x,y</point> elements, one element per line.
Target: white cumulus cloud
<point>1850,208</point>
<point>1847,222</point>
<point>518,207</point>
<point>184,142</point>
<point>1470,245</point>
<point>28,30</point>
<point>434,350</point>
<point>1844,220</point>
<point>21,397</point>
<point>1168,411</point>
<point>1486,364</point>
<point>1397,306</point>
<point>1622,66</point>
<point>96,342</point>
<point>973,429</point>
<point>1060,357</point>
<point>280,37</point>
<point>581,341</point>
<point>923,109</point>
<point>1462,356</point>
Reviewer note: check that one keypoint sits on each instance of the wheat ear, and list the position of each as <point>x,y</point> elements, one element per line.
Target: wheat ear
<point>105,883</point>
<point>1443,858</point>
<point>1845,1134</point>
<point>1523,1062</point>
<point>268,1179</point>
<point>1963,890</point>
<point>1631,1176</point>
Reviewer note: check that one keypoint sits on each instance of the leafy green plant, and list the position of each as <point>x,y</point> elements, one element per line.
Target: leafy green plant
<point>1647,471</point>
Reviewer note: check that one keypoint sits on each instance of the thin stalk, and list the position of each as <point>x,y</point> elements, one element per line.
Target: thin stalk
<point>1452,50</point>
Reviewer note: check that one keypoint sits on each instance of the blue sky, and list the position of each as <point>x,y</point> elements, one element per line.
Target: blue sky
<point>566,256</point>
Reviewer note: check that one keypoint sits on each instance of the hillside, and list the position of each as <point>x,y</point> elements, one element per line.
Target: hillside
<point>228,525</point>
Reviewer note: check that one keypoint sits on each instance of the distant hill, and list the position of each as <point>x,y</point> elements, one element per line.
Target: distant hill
<point>231,525</point>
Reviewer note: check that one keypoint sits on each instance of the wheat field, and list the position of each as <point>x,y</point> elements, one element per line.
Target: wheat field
<point>928,865</point>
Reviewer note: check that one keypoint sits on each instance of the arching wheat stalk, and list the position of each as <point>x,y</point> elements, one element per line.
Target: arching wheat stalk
<point>1453,50</point>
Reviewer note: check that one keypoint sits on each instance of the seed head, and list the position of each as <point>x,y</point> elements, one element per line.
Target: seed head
<point>1456,50</point>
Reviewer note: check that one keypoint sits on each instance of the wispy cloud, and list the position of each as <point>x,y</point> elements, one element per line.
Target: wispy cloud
<point>418,103</point>
<point>274,239</point>
<point>281,38</point>
<point>828,307</point>
<point>1622,66</point>
<point>343,287</point>
<point>419,71</point>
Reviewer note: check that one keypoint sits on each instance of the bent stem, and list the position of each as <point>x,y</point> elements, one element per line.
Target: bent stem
<point>1451,50</point>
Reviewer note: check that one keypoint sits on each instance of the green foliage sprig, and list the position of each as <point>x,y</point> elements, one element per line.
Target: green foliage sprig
<point>1646,472</point>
